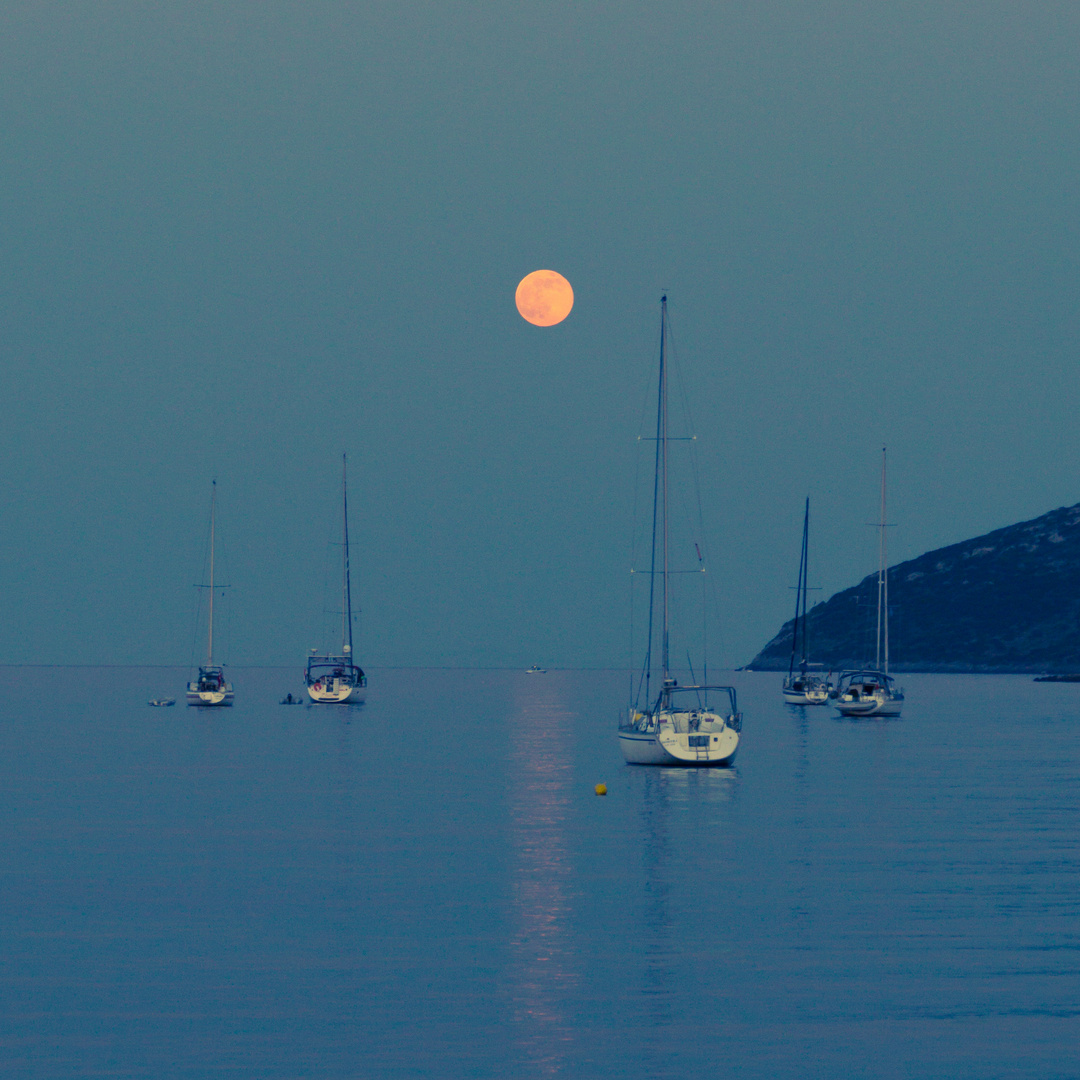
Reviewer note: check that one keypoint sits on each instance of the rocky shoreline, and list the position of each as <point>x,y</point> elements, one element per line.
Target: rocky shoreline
<point>1007,602</point>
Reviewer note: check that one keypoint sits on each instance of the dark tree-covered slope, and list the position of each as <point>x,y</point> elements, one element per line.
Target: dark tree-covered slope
<point>1006,601</point>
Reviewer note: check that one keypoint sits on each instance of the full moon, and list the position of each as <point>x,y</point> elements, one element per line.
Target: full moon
<point>544,298</point>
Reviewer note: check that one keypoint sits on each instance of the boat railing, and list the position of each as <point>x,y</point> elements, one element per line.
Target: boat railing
<point>664,701</point>
<point>334,664</point>
<point>636,719</point>
<point>849,682</point>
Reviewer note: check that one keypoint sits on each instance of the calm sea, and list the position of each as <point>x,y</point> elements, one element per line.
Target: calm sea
<point>426,886</point>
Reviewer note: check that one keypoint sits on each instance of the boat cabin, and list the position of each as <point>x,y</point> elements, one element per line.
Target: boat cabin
<point>688,716</point>
<point>211,680</point>
<point>334,672</point>
<point>854,685</point>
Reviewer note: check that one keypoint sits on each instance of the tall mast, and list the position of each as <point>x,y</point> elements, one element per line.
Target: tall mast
<point>346,607</point>
<point>800,596</point>
<point>210,633</point>
<point>882,583</point>
<point>664,471</point>
<point>655,506</point>
<point>805,575</point>
<point>884,567</point>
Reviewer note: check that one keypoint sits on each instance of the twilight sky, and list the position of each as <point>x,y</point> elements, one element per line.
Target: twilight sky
<point>240,238</point>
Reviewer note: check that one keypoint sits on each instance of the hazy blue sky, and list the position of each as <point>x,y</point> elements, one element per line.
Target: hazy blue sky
<point>240,238</point>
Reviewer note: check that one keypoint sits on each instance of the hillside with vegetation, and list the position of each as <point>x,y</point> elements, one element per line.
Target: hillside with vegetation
<point>1008,601</point>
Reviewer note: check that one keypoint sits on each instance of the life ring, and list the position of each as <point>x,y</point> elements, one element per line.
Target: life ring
<point>318,687</point>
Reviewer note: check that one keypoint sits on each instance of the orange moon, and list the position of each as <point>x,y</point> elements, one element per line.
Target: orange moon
<point>544,298</point>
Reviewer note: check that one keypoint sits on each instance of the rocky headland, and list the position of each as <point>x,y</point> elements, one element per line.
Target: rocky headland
<point>1008,601</point>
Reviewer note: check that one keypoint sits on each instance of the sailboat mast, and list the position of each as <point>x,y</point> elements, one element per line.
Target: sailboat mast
<point>800,593</point>
<point>664,475</point>
<point>210,631</point>
<point>655,507</point>
<point>346,607</point>
<point>881,595</point>
<point>805,573</point>
<point>884,567</point>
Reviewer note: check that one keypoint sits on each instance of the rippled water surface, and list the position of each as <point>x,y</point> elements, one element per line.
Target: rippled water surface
<point>426,886</point>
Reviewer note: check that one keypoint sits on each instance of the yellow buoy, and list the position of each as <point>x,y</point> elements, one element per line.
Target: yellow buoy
<point>601,789</point>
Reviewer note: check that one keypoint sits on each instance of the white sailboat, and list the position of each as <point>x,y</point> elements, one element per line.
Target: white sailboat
<point>680,726</point>
<point>807,686</point>
<point>334,678</point>
<point>211,687</point>
<point>873,691</point>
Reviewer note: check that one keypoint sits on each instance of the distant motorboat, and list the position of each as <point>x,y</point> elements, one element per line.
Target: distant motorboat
<point>333,678</point>
<point>210,688</point>
<point>807,686</point>
<point>161,703</point>
<point>872,691</point>
<point>535,670</point>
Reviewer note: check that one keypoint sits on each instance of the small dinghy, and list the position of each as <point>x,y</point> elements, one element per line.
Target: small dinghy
<point>161,703</point>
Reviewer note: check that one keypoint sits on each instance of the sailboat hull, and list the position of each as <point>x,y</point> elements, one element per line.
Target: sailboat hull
<point>210,698</point>
<point>643,750</point>
<point>805,697</point>
<point>865,708</point>
<point>650,750</point>
<point>344,696</point>
<point>682,740</point>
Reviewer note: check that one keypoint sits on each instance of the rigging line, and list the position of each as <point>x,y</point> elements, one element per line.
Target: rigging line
<point>799,592</point>
<point>695,472</point>
<point>198,603</point>
<point>806,581</point>
<point>323,609</point>
<point>656,491</point>
<point>884,562</point>
<point>667,520</point>
<point>195,633</point>
<point>693,679</point>
<point>704,622</point>
<point>210,632</point>
<point>225,613</point>
<point>630,651</point>
<point>224,635</point>
<point>688,414</point>
<point>675,372</point>
<point>347,613</point>
<point>633,562</point>
<point>638,532</point>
